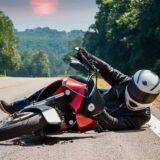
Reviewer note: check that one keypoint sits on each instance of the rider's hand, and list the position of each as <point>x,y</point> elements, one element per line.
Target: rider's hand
<point>84,52</point>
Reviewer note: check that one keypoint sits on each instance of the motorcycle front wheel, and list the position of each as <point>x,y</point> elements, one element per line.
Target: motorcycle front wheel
<point>19,124</point>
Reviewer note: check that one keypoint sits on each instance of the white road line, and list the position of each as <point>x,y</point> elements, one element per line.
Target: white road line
<point>155,125</point>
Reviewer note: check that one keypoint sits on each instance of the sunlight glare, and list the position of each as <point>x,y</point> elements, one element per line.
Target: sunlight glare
<point>43,7</point>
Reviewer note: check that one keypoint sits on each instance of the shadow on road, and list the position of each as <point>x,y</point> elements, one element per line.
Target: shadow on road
<point>29,140</point>
<point>34,141</point>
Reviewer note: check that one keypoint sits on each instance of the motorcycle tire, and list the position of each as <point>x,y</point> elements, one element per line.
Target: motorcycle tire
<point>19,124</point>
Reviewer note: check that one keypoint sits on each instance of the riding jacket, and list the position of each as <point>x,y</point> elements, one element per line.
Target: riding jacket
<point>116,115</point>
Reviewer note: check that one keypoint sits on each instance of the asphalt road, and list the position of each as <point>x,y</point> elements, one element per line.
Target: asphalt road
<point>141,144</point>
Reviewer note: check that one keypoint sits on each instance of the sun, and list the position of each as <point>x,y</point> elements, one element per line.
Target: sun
<point>43,7</point>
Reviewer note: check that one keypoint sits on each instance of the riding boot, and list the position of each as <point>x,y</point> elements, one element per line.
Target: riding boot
<point>6,107</point>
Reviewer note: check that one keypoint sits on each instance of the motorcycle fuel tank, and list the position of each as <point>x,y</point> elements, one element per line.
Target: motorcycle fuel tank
<point>79,89</point>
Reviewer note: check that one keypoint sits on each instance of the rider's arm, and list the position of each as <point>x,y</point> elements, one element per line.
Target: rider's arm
<point>111,75</point>
<point>108,122</point>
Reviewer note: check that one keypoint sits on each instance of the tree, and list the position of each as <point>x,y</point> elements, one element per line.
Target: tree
<point>9,58</point>
<point>95,37</point>
<point>129,32</point>
<point>40,65</point>
<point>26,67</point>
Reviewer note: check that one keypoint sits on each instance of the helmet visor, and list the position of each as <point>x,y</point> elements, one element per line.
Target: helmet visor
<point>140,96</point>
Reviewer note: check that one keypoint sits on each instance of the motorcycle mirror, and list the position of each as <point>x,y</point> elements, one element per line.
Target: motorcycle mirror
<point>78,66</point>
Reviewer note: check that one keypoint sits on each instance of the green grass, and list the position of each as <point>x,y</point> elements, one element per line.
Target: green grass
<point>63,75</point>
<point>2,75</point>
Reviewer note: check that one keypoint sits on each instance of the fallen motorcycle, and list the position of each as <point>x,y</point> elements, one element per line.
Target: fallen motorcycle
<point>71,108</point>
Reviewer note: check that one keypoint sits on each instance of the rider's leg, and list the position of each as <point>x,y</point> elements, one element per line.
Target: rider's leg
<point>20,104</point>
<point>10,108</point>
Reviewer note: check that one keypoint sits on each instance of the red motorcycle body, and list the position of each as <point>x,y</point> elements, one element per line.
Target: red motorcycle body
<point>77,91</point>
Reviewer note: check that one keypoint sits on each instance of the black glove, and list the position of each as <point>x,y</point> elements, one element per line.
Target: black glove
<point>84,52</point>
<point>88,56</point>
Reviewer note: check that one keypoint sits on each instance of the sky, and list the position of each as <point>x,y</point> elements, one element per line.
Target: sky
<point>56,14</point>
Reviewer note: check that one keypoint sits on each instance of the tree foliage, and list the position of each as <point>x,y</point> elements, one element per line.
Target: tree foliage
<point>126,34</point>
<point>40,65</point>
<point>34,64</point>
<point>9,58</point>
<point>55,44</point>
<point>46,39</point>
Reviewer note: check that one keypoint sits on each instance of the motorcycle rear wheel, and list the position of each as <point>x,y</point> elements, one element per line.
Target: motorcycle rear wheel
<point>19,124</point>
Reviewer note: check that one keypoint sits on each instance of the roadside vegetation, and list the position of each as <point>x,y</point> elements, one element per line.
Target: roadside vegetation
<point>9,57</point>
<point>35,52</point>
<point>126,34</point>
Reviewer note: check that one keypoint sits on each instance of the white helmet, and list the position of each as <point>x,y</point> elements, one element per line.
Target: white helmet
<point>142,90</point>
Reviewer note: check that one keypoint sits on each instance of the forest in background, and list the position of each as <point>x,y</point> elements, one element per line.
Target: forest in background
<point>42,51</point>
<point>125,34</point>
<point>35,52</point>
